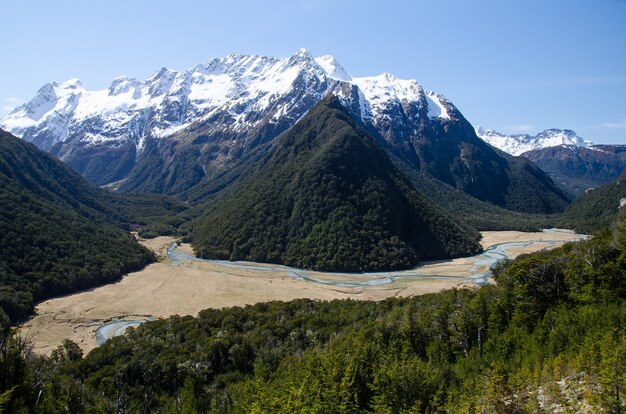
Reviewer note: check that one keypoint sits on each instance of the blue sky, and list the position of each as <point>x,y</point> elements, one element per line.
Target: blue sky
<point>514,66</point>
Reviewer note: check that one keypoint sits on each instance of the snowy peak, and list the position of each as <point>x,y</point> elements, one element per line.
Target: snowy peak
<point>520,143</point>
<point>124,84</point>
<point>42,103</point>
<point>556,137</point>
<point>333,68</point>
<point>232,96</point>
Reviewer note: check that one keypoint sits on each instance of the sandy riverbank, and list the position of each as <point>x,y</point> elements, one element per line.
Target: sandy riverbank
<point>165,288</point>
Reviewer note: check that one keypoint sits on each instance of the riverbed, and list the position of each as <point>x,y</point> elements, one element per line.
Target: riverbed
<point>183,284</point>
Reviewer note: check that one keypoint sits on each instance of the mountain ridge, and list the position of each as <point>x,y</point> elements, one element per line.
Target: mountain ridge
<point>518,144</point>
<point>578,168</point>
<point>177,129</point>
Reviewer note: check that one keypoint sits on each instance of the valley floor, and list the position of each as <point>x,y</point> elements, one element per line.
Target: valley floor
<point>180,284</point>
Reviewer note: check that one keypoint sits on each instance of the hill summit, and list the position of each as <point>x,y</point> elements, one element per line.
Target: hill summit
<point>327,197</point>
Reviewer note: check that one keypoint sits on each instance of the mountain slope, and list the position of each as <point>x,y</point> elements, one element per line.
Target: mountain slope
<point>597,208</point>
<point>180,128</point>
<point>55,237</point>
<point>578,168</point>
<point>449,151</point>
<point>327,197</point>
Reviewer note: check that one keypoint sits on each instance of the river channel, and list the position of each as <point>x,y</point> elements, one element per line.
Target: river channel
<point>479,272</point>
<point>181,284</point>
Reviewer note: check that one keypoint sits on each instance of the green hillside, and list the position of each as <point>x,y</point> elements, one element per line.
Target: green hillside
<point>327,197</point>
<point>597,208</point>
<point>58,233</point>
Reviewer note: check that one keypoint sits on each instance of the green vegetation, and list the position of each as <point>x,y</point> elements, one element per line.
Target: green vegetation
<point>164,168</point>
<point>596,208</point>
<point>450,152</point>
<point>59,234</point>
<point>481,215</point>
<point>327,197</point>
<point>551,334</point>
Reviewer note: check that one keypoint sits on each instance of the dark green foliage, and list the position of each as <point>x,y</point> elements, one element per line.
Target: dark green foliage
<point>23,165</point>
<point>530,190</point>
<point>556,317</point>
<point>596,208</point>
<point>548,319</point>
<point>327,197</point>
<point>57,232</point>
<point>479,214</point>
<point>163,168</point>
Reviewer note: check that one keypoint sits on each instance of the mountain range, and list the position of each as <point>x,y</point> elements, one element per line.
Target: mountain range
<point>518,144</point>
<point>578,169</point>
<point>177,129</point>
<point>293,161</point>
<point>572,162</point>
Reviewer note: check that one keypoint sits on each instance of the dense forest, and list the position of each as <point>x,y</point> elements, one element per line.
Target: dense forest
<point>596,208</point>
<point>549,335</point>
<point>60,234</point>
<point>327,197</point>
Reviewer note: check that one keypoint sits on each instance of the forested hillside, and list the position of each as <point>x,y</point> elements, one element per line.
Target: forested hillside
<point>59,233</point>
<point>327,197</point>
<point>550,335</point>
<point>597,208</point>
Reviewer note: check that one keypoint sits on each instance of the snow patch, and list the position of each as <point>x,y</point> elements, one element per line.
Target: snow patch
<point>333,68</point>
<point>436,108</point>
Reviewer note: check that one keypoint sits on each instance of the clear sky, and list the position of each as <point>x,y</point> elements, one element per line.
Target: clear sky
<point>509,65</point>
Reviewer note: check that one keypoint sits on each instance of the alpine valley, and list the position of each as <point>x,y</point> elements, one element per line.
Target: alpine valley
<point>250,180</point>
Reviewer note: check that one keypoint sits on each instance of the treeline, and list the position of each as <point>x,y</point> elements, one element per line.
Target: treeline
<point>550,335</point>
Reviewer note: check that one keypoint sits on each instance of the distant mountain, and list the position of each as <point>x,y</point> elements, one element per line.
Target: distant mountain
<point>518,144</point>
<point>578,168</point>
<point>177,129</point>
<point>58,232</point>
<point>327,197</point>
<point>572,162</point>
<point>597,208</point>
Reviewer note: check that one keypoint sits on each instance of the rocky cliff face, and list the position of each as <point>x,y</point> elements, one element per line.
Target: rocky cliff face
<point>579,168</point>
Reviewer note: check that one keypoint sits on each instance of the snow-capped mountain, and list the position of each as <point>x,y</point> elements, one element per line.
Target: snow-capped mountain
<point>238,87</point>
<point>233,99</point>
<point>518,144</point>
<point>175,129</point>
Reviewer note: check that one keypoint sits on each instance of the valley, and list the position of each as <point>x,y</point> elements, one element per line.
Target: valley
<point>180,284</point>
<point>403,217</point>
